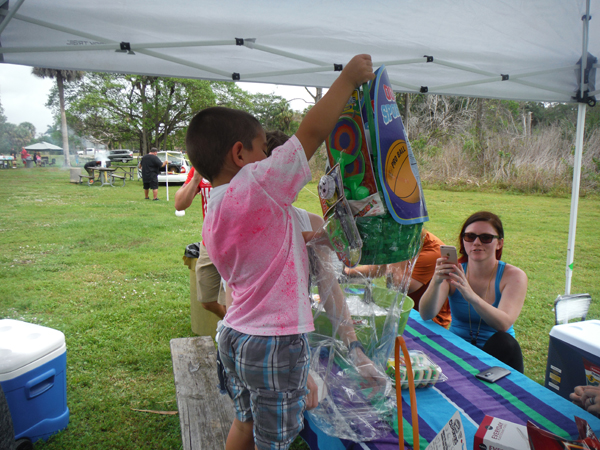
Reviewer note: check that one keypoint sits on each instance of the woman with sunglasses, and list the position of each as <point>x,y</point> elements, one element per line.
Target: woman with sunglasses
<point>486,295</point>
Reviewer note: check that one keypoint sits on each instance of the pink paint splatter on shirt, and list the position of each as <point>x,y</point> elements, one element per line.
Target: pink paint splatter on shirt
<point>257,246</point>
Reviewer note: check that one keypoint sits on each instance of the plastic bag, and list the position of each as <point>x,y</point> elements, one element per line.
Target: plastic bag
<point>544,440</point>
<point>359,403</point>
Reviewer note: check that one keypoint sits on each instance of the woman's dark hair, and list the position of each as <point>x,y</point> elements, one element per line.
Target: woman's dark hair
<point>481,216</point>
<point>275,139</point>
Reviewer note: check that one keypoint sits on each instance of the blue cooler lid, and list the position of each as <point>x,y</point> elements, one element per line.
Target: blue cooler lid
<point>27,345</point>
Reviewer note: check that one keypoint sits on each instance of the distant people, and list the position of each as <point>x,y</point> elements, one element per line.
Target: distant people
<point>90,166</point>
<point>13,153</point>
<point>209,291</point>
<point>588,398</point>
<point>25,156</point>
<point>486,295</point>
<point>420,278</point>
<point>151,165</point>
<point>38,159</point>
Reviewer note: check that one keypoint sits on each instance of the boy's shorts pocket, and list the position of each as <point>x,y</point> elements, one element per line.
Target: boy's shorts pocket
<point>278,416</point>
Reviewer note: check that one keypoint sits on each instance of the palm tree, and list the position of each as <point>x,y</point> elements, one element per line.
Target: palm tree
<point>61,76</point>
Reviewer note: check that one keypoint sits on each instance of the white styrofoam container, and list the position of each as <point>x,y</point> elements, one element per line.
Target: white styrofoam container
<point>26,346</point>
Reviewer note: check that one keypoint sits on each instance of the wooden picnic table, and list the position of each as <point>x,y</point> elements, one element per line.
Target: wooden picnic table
<point>205,415</point>
<point>104,175</point>
<point>128,170</point>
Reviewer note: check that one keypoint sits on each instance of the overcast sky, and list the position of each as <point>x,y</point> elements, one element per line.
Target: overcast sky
<point>24,96</point>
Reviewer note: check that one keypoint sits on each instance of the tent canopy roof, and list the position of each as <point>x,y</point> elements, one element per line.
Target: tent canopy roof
<point>43,146</point>
<point>535,44</point>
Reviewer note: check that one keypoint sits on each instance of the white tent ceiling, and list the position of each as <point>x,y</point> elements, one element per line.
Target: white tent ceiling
<point>537,43</point>
<point>507,49</point>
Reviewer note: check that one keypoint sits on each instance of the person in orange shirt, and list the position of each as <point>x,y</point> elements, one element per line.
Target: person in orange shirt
<point>421,275</point>
<point>211,295</point>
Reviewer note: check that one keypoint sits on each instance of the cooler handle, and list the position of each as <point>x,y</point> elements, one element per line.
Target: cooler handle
<point>39,385</point>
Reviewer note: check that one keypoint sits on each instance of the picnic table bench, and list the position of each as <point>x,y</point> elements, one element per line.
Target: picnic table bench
<point>205,415</point>
<point>114,175</point>
<point>90,179</point>
<point>128,171</point>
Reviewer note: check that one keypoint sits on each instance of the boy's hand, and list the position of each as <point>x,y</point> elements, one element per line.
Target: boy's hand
<point>312,400</point>
<point>359,70</point>
<point>320,120</point>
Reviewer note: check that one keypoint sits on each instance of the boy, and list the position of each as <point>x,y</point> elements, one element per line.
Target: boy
<point>251,237</point>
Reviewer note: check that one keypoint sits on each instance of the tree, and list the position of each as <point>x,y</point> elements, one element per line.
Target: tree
<point>156,111</point>
<point>18,136</point>
<point>116,108</point>
<point>274,113</point>
<point>61,76</point>
<point>4,142</point>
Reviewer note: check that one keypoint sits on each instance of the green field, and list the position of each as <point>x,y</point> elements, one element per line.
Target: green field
<point>105,267</point>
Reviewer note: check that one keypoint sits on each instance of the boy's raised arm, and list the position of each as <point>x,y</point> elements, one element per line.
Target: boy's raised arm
<point>320,120</point>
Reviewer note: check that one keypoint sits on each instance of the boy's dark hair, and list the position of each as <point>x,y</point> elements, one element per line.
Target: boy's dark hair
<point>275,139</point>
<point>211,134</point>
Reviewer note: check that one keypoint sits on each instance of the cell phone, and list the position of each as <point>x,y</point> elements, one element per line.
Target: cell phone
<point>492,374</point>
<point>450,252</point>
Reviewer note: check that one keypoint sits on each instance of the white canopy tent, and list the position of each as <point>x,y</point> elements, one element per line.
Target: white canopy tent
<point>514,49</point>
<point>43,146</point>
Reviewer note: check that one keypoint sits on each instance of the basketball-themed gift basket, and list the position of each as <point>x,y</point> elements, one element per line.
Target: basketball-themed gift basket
<point>375,175</point>
<point>374,210</point>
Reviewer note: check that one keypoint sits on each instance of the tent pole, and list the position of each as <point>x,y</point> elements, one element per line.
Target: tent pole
<point>575,194</point>
<point>578,152</point>
<point>10,15</point>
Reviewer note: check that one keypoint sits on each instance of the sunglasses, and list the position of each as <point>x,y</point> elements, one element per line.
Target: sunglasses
<point>483,238</point>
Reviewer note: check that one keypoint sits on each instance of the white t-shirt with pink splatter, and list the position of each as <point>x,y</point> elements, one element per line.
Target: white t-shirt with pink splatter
<point>256,243</point>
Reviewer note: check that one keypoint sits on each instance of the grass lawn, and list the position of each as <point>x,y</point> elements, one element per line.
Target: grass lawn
<point>105,267</point>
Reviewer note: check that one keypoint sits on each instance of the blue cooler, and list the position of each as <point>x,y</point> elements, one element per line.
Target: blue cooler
<point>573,356</point>
<point>33,367</point>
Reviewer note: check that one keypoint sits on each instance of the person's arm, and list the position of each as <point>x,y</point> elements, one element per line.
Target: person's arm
<point>511,301</point>
<point>335,306</point>
<point>320,120</point>
<point>399,278</point>
<point>436,294</point>
<point>366,271</point>
<point>215,308</point>
<point>186,193</point>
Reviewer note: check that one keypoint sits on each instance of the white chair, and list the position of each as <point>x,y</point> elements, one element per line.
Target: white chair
<point>573,306</point>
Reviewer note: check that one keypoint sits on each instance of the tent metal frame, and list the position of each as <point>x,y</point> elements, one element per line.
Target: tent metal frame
<point>146,48</point>
<point>149,49</point>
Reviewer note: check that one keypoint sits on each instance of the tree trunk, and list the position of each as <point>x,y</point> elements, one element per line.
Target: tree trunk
<point>406,111</point>
<point>319,95</point>
<point>63,118</point>
<point>145,148</point>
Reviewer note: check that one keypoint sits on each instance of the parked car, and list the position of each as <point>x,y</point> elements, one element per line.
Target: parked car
<point>121,155</point>
<point>178,167</point>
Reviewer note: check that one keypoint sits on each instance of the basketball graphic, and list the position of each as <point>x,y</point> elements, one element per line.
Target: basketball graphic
<point>399,175</point>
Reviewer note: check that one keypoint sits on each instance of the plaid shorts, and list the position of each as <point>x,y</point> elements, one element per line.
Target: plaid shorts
<point>266,379</point>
